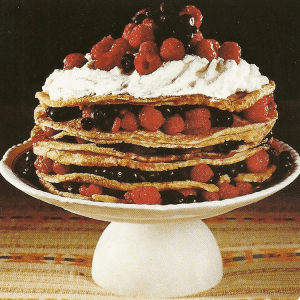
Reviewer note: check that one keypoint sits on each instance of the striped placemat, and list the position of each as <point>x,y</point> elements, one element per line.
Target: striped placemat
<point>46,252</point>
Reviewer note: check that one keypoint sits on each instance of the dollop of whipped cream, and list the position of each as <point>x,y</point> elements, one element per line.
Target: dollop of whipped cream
<point>192,75</point>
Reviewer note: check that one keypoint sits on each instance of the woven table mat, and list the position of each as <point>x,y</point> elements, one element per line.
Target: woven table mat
<point>46,252</point>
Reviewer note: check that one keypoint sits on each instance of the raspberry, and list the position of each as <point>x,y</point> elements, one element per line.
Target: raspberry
<point>230,50</point>
<point>258,112</point>
<point>197,121</point>
<point>127,30</point>
<point>227,190</point>
<point>60,169</point>
<point>244,188</point>
<point>144,66</point>
<point>86,112</point>
<point>116,125</point>
<point>48,131</point>
<point>205,48</point>
<point>172,49</point>
<point>196,37</point>
<point>210,196</point>
<point>144,195</point>
<point>258,162</point>
<point>106,61</point>
<point>102,47</point>
<point>139,34</point>
<point>150,23</point>
<point>149,50</point>
<point>194,12</point>
<point>74,60</point>
<point>120,47</point>
<point>201,173</point>
<point>43,164</point>
<point>90,189</point>
<point>198,113</point>
<point>129,122</point>
<point>173,125</point>
<point>151,118</point>
<point>215,43</point>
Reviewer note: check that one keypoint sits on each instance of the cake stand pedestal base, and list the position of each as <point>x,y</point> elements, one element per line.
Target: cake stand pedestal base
<point>172,259</point>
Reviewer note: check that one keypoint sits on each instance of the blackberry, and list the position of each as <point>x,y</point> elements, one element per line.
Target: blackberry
<point>73,187</point>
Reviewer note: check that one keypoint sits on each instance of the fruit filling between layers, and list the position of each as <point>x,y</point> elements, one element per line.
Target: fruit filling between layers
<point>201,182</point>
<point>172,120</point>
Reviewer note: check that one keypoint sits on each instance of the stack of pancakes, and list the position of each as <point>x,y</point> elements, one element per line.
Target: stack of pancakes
<point>122,161</point>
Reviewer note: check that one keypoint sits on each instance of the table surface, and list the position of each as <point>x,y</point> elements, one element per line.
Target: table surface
<point>46,252</point>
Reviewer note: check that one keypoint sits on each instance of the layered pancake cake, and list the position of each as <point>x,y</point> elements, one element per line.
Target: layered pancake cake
<point>160,115</point>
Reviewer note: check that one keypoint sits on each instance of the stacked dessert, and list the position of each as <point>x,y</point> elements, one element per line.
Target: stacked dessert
<point>160,115</point>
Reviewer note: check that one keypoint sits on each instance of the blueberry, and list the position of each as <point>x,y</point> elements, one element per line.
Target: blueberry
<point>102,117</point>
<point>171,197</point>
<point>127,62</point>
<point>73,187</point>
<point>232,170</point>
<point>241,167</point>
<point>151,176</point>
<point>191,199</point>
<point>62,114</point>
<point>87,124</point>
<point>221,118</point>
<point>227,146</point>
<point>272,156</point>
<point>68,139</point>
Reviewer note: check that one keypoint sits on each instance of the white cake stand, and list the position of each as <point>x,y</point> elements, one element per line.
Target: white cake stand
<point>151,250</point>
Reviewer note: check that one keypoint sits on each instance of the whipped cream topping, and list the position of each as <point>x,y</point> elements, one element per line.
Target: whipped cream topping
<point>192,75</point>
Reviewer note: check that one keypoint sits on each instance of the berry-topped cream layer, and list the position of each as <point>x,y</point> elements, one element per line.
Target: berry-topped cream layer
<point>160,115</point>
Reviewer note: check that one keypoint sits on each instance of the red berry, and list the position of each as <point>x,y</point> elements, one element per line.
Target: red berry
<point>48,131</point>
<point>74,60</point>
<point>230,50</point>
<point>150,50</point>
<point>106,61</point>
<point>60,169</point>
<point>127,30</point>
<point>43,164</point>
<point>86,112</point>
<point>129,122</point>
<point>198,113</point>
<point>144,66</point>
<point>120,47</point>
<point>150,23</point>
<point>139,34</point>
<point>194,12</point>
<point>244,188</point>
<point>116,126</point>
<point>215,43</point>
<point>258,112</point>
<point>205,48</point>
<point>201,173</point>
<point>197,121</point>
<point>172,49</point>
<point>102,47</point>
<point>258,162</point>
<point>151,118</point>
<point>90,189</point>
<point>196,37</point>
<point>144,195</point>
<point>227,190</point>
<point>173,125</point>
<point>210,196</point>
